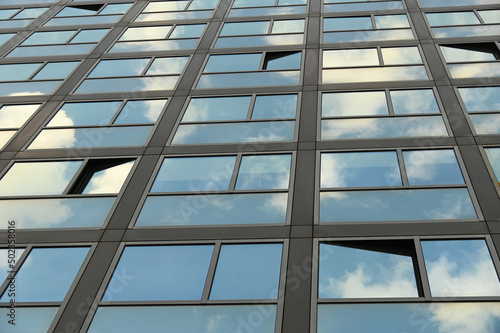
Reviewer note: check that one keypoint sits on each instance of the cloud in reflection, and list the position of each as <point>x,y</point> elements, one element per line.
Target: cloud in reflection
<point>109,180</point>
<point>16,115</point>
<point>465,317</point>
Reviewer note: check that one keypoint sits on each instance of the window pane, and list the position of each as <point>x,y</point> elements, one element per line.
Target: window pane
<point>486,123</point>
<point>414,101</point>
<point>367,35</point>
<point>392,127</point>
<point>357,273</point>
<point>187,319</point>
<point>120,67</point>
<point>453,54</point>
<point>146,33</point>
<point>481,98</point>
<point>360,169</point>
<point>39,321</point>
<point>89,36</point>
<point>32,178</point>
<point>194,174</point>
<point>275,106</point>
<point>109,180</point>
<point>347,23</point>
<point>217,108</point>
<point>57,213</point>
<point>350,58</point>
<point>56,70</point>
<point>133,84</point>
<point>457,18</point>
<point>90,113</point>
<point>354,104</point>
<point>16,115</point>
<point>396,205</point>
<point>6,255</point>
<point>288,61</point>
<point>49,37</point>
<point>403,73</point>
<point>235,132</point>
<point>233,62</point>
<point>391,21</point>
<point>490,16</point>
<point>247,272</point>
<point>188,31</point>
<point>264,172</point>
<point>409,317</point>
<point>15,72</point>
<point>160,273</point>
<point>118,8</point>
<point>475,70</point>
<point>255,208</point>
<point>259,79</point>
<point>245,28</point>
<point>136,112</point>
<point>432,167</point>
<point>167,65</point>
<point>494,158</point>
<point>460,268</point>
<point>401,55</point>
<point>47,274</point>
<point>288,26</point>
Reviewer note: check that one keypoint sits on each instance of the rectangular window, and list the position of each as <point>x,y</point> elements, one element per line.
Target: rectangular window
<point>74,14</point>
<point>273,8</point>
<point>261,33</point>
<point>465,24</point>
<point>173,10</point>
<point>207,190</point>
<point>334,6</point>
<point>140,74</point>
<point>61,194</point>
<point>169,37</point>
<point>100,124</point>
<point>12,117</point>
<point>373,65</point>
<point>483,107</point>
<point>366,28</point>
<point>474,60</point>
<point>196,273</point>
<point>393,186</point>
<point>381,114</point>
<point>15,18</point>
<point>251,70</point>
<point>254,118</point>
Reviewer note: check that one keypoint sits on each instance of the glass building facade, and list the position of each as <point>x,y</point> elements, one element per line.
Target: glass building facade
<point>267,166</point>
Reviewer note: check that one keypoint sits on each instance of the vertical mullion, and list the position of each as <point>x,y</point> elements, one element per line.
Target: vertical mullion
<point>211,272</point>
<point>426,288</point>
<point>236,169</point>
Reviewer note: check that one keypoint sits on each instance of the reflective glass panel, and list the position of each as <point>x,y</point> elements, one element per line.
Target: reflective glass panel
<point>288,61</point>
<point>36,178</point>
<point>39,321</point>
<point>403,73</point>
<point>456,18</point>
<point>432,167</point>
<point>119,67</point>
<point>354,104</point>
<point>16,115</point>
<point>490,16</point>
<point>233,62</point>
<point>167,65</point>
<point>140,112</point>
<point>401,55</point>
<point>387,127</point>
<point>248,271</point>
<point>350,58</point>
<point>414,101</point>
<point>486,123</point>
<point>255,208</point>
<point>56,70</point>
<point>49,37</point>
<point>453,54</point>
<point>90,113</point>
<point>264,172</point>
<point>160,273</point>
<point>109,180</point>
<point>133,84</point>
<point>360,169</point>
<point>409,317</point>
<point>245,28</point>
<point>89,36</point>
<point>186,319</point>
<point>188,31</point>
<point>146,33</point>
<point>347,23</point>
<point>235,132</point>
<point>494,158</point>
<point>391,21</point>
<point>460,268</point>
<point>346,272</point>
<point>217,108</point>
<point>118,8</point>
<point>491,69</point>
<point>194,174</point>
<point>396,205</point>
<point>14,72</point>
<point>47,274</point>
<point>275,106</point>
<point>288,26</point>
<point>57,213</point>
<point>481,98</point>
<point>259,79</point>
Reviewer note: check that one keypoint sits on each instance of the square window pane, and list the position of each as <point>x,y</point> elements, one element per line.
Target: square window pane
<point>401,55</point>
<point>346,272</point>
<point>247,272</point>
<point>16,115</point>
<point>264,172</point>
<point>432,167</point>
<point>360,169</point>
<point>285,61</point>
<point>414,101</point>
<point>109,180</point>
<point>481,98</point>
<point>460,268</point>
<point>275,106</point>
<point>194,174</point>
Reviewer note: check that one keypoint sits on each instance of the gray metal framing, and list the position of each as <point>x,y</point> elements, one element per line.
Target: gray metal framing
<point>297,303</point>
